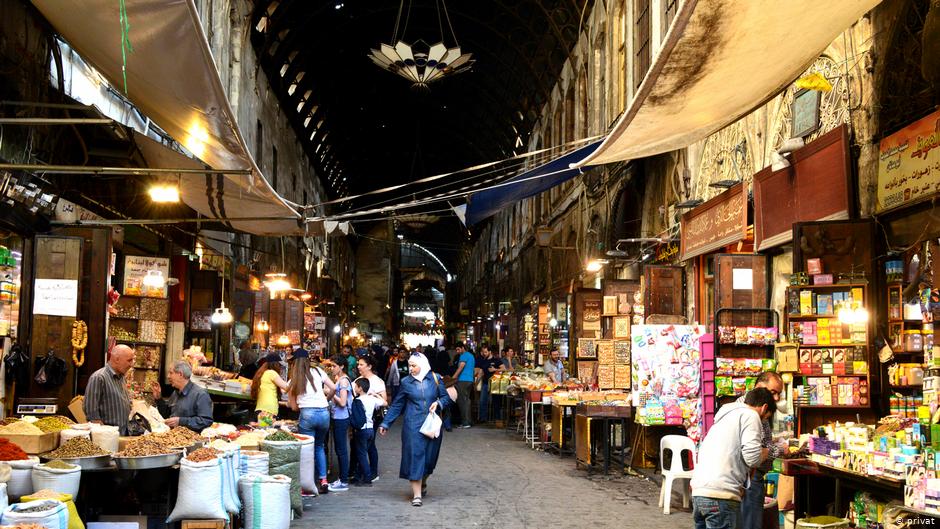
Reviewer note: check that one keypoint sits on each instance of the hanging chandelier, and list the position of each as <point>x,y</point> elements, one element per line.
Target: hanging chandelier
<point>420,62</point>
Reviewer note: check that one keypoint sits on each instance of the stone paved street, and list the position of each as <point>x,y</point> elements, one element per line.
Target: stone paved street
<point>488,478</point>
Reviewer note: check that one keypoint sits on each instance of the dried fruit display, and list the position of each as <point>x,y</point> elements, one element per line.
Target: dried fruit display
<point>77,447</point>
<point>120,333</point>
<point>154,309</point>
<point>152,331</point>
<point>147,357</point>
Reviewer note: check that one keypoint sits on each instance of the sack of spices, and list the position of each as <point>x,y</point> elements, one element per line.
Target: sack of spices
<point>266,500</point>
<point>75,521</point>
<point>252,462</point>
<point>200,491</point>
<point>285,459</point>
<point>21,482</point>
<point>230,481</point>
<point>4,502</point>
<point>51,514</point>
<point>308,482</point>
<point>58,476</point>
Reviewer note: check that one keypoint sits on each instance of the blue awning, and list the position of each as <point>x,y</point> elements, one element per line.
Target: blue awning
<point>487,203</point>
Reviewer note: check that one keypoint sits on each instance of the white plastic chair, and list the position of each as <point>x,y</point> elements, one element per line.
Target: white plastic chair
<point>672,469</point>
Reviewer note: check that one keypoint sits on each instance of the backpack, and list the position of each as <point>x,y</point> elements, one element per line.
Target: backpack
<point>357,415</point>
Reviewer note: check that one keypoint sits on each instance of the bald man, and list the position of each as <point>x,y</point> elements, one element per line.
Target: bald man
<point>106,398</point>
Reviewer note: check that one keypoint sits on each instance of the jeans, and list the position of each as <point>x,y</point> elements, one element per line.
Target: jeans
<point>752,504</point>
<point>373,456</point>
<point>316,422</point>
<point>364,439</point>
<point>341,445</point>
<point>483,407</point>
<point>463,401</point>
<point>711,513</point>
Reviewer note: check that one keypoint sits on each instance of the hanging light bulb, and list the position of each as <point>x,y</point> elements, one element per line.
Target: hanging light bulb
<point>337,329</point>
<point>222,315</point>
<point>283,340</point>
<point>353,332</point>
<point>263,326</point>
<point>164,194</point>
<point>154,279</point>
<point>276,283</point>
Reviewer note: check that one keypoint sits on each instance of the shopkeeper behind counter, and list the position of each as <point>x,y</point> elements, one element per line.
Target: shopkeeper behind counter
<point>189,405</point>
<point>106,398</point>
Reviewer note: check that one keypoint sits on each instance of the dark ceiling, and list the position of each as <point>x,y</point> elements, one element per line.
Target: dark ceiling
<point>376,131</point>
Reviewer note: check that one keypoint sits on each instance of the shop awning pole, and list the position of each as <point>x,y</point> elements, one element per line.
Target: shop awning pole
<point>56,121</point>
<point>118,222</point>
<point>87,169</point>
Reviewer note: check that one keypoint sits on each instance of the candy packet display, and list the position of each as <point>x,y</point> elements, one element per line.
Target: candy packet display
<point>724,367</point>
<point>753,366</point>
<point>739,385</point>
<point>768,364</point>
<point>740,367</point>
<point>724,387</point>
<point>726,335</point>
<point>740,335</point>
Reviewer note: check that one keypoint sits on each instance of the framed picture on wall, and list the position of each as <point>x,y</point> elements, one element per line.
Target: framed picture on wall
<point>804,112</point>
<point>586,348</point>
<point>610,305</point>
<point>621,327</point>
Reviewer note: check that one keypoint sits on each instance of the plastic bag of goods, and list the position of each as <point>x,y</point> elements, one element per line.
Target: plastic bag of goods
<point>266,501</point>
<point>253,462</point>
<point>106,437</point>
<point>76,430</point>
<point>51,514</point>
<point>308,481</point>
<point>5,472</point>
<point>4,503</point>
<point>200,492</point>
<point>75,521</point>
<point>21,482</point>
<point>285,459</point>
<point>58,476</point>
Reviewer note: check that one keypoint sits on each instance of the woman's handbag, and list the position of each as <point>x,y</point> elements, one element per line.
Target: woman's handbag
<point>432,426</point>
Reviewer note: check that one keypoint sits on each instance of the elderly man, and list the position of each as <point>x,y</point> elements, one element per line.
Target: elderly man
<point>106,397</point>
<point>190,405</point>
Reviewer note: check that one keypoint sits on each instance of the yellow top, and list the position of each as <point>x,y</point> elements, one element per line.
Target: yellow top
<point>267,393</point>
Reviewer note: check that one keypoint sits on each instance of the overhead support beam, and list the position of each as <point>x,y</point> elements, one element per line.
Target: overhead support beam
<point>134,171</point>
<point>56,121</point>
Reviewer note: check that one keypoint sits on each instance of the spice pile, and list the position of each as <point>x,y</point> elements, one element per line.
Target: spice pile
<point>179,437</point>
<point>31,525</point>
<point>44,494</point>
<point>77,447</point>
<point>147,445</point>
<point>20,428</point>
<point>46,506</point>
<point>10,451</point>
<point>60,465</point>
<point>203,454</point>
<point>53,424</point>
<point>280,435</point>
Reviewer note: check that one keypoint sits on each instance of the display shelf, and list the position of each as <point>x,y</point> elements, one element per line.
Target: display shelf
<point>834,285</point>
<point>126,318</point>
<point>139,342</point>
<point>833,345</point>
<point>810,316</point>
<point>830,406</point>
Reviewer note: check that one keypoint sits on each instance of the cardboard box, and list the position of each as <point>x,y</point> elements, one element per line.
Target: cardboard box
<point>34,444</point>
<point>76,406</point>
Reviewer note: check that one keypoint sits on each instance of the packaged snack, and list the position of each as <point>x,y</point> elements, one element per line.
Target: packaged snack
<point>770,335</point>
<point>723,387</point>
<point>768,364</point>
<point>740,335</point>
<point>724,367</point>
<point>749,383</point>
<point>754,366</point>
<point>726,335</point>
<point>740,367</point>
<point>739,385</point>
<point>755,335</point>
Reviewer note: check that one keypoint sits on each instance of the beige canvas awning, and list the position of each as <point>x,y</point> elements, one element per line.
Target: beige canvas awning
<point>172,78</point>
<point>722,59</point>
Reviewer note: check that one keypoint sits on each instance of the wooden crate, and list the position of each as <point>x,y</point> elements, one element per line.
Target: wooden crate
<point>34,444</point>
<point>203,524</point>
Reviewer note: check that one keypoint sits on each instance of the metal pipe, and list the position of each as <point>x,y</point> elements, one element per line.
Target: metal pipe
<point>36,104</point>
<point>87,169</point>
<point>118,222</point>
<point>55,121</point>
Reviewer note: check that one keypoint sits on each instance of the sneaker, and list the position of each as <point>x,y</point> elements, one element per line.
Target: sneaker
<point>464,426</point>
<point>338,486</point>
<point>324,487</point>
<point>376,478</point>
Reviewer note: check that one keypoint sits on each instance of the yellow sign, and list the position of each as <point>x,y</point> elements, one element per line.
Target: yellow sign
<point>909,164</point>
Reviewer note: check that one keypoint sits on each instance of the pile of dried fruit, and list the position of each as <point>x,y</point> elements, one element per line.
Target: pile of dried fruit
<point>77,447</point>
<point>52,424</point>
<point>179,437</point>
<point>203,454</point>
<point>146,445</point>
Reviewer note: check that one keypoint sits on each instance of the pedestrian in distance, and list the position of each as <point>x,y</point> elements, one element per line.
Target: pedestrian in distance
<point>421,393</point>
<point>340,404</point>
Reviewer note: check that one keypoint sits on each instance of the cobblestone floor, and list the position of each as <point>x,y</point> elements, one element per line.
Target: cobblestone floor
<point>488,478</point>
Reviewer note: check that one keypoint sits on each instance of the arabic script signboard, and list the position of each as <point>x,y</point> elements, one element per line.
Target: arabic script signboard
<point>909,164</point>
<point>716,223</point>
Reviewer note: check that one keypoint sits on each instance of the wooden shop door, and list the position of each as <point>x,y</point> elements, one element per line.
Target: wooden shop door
<point>55,258</point>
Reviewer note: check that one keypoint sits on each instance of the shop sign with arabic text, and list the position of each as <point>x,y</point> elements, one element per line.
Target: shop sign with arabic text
<point>716,223</point>
<point>909,164</point>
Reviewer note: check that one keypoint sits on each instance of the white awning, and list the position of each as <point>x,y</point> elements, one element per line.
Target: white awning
<point>172,78</point>
<point>720,61</point>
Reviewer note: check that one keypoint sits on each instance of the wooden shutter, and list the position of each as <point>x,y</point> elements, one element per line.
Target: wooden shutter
<point>664,291</point>
<point>641,40</point>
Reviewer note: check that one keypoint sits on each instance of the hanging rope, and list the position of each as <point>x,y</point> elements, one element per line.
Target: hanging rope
<point>125,40</point>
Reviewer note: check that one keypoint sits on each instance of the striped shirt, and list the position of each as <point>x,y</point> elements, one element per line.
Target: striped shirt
<point>106,399</point>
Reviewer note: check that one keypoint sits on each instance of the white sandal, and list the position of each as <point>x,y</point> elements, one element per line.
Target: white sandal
<point>416,502</point>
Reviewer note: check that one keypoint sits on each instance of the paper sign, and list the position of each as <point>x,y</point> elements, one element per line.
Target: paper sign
<point>742,279</point>
<point>55,297</point>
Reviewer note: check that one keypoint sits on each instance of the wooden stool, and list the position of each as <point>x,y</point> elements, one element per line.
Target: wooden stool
<point>203,524</point>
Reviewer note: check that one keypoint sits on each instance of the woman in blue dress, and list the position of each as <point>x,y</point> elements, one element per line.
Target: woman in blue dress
<point>419,393</point>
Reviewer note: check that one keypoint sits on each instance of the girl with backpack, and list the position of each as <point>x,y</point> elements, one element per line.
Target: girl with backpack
<point>309,391</point>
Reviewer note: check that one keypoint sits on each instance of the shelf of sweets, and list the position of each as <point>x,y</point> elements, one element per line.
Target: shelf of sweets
<point>137,342</point>
<point>831,345</point>
<point>830,406</point>
<point>834,285</point>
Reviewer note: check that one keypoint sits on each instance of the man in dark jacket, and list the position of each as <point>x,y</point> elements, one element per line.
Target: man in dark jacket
<point>189,405</point>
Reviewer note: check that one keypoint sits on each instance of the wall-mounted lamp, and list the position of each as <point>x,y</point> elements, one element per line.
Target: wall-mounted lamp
<point>595,265</point>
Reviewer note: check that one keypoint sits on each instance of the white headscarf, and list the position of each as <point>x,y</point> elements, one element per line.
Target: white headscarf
<point>424,367</point>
